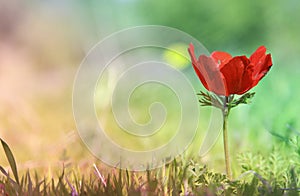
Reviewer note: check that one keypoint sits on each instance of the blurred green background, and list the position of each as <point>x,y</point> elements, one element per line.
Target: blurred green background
<point>43,42</point>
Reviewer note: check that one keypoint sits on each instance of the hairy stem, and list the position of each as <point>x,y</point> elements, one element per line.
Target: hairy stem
<point>225,138</point>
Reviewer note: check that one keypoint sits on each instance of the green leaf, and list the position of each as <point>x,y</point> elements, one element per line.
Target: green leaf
<point>244,99</point>
<point>11,160</point>
<point>210,99</point>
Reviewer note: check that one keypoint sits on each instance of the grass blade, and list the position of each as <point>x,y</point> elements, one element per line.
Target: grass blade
<point>11,160</point>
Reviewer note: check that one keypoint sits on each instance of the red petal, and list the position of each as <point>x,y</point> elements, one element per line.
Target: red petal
<point>221,58</point>
<point>197,66</point>
<point>261,69</point>
<point>258,54</point>
<point>261,64</point>
<point>233,72</point>
<point>192,53</point>
<point>212,75</point>
<point>247,81</point>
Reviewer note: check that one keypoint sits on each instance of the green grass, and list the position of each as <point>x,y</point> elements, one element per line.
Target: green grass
<point>275,174</point>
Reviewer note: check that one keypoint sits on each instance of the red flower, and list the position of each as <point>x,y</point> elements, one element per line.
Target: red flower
<point>225,75</point>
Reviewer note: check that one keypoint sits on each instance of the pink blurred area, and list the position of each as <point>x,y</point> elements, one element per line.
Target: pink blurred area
<point>39,55</point>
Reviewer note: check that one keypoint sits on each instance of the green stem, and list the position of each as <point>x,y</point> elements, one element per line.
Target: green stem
<point>225,138</point>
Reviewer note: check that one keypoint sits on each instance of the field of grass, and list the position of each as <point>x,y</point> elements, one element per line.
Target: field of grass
<point>274,175</point>
<point>41,47</point>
